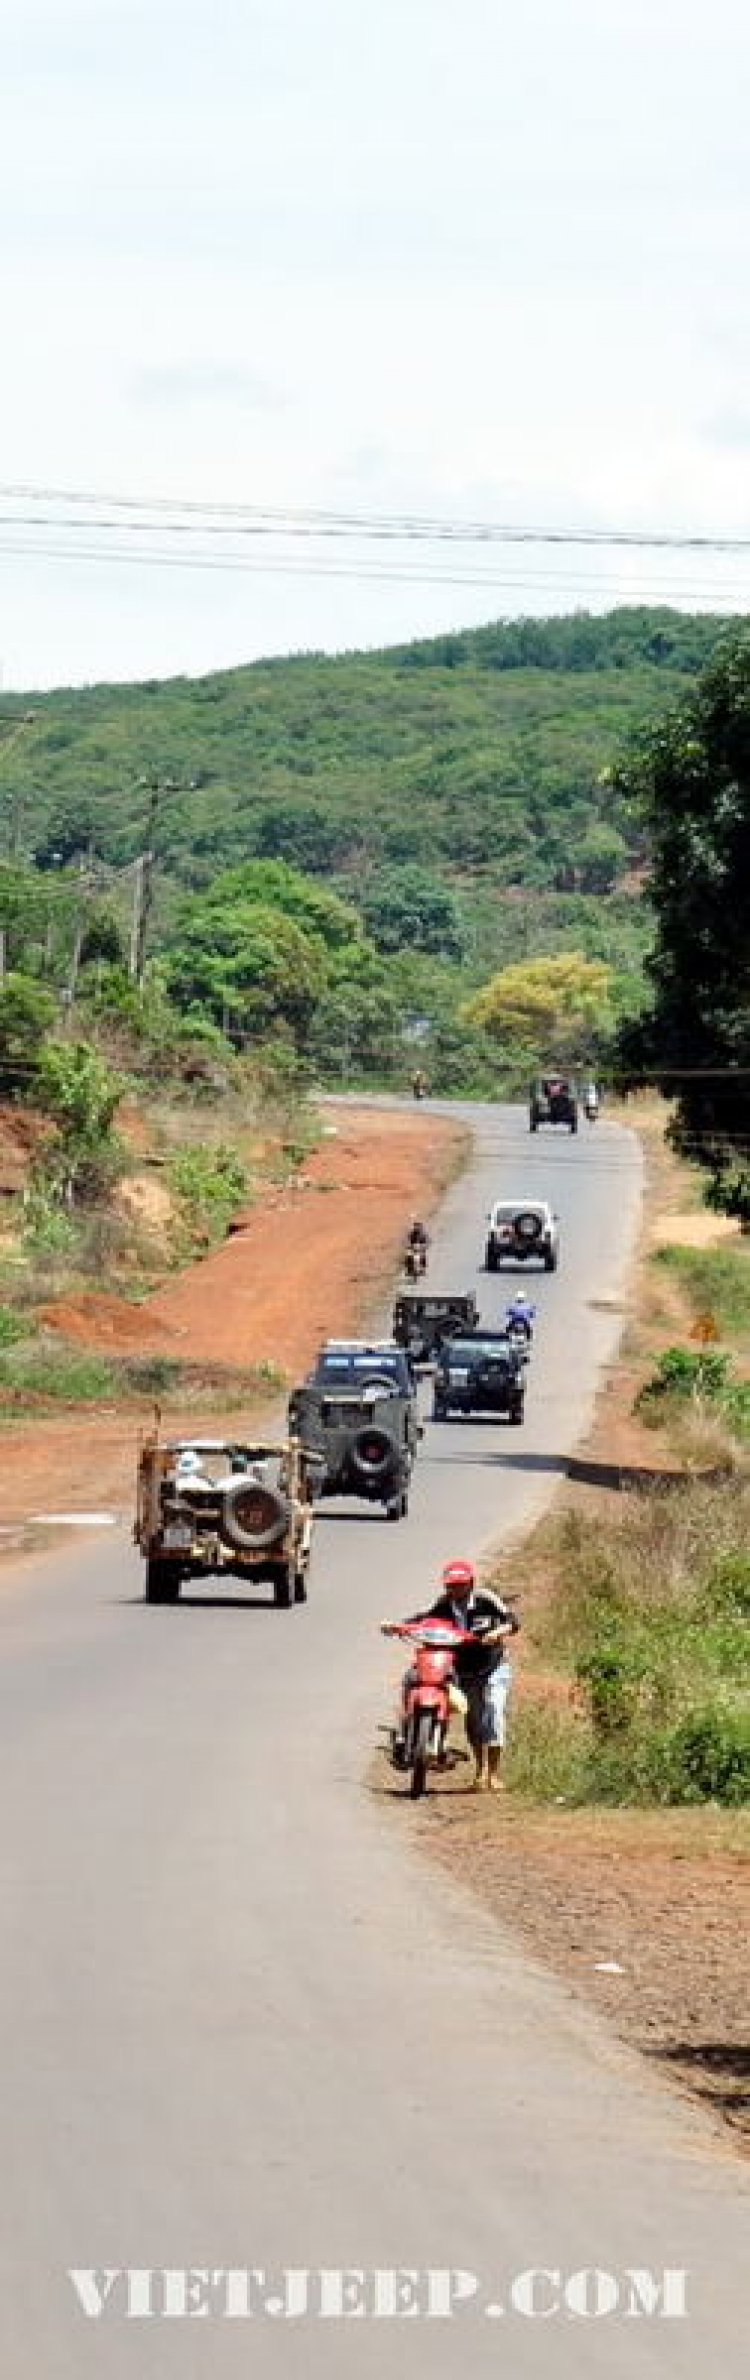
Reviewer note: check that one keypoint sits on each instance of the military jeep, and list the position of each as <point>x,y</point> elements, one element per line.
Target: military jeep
<point>366,1432</point>
<point>421,1323</point>
<point>553,1099</point>
<point>214,1507</point>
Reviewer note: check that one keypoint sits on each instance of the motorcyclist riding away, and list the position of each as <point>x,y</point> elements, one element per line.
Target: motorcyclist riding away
<point>482,1668</point>
<point>520,1314</point>
<point>417,1235</point>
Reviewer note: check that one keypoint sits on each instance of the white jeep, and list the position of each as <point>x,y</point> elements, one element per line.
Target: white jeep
<point>520,1228</point>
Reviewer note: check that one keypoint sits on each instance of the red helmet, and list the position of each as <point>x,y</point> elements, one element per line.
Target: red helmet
<point>461,1575</point>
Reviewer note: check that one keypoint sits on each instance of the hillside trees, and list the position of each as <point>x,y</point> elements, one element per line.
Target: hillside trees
<point>691,776</point>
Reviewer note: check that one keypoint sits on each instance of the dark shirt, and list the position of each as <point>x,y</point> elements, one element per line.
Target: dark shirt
<point>475,1662</point>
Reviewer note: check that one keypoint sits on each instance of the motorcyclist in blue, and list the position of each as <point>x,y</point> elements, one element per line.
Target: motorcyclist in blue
<point>520,1315</point>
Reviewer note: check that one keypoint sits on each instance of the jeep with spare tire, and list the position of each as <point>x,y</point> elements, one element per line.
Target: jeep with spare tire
<point>553,1099</point>
<point>364,1426</point>
<point>520,1229</point>
<point>215,1507</point>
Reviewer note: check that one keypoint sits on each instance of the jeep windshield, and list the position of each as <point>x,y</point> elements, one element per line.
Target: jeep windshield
<point>471,1351</point>
<point>521,1206</point>
<point>339,1369</point>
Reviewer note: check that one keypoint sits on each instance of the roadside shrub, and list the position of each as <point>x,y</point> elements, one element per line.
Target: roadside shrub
<point>717,1281</point>
<point>12,1327</point>
<point>210,1181</point>
<point>651,1616</point>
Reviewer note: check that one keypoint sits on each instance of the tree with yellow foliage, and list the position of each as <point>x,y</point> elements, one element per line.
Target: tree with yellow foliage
<point>555,1007</point>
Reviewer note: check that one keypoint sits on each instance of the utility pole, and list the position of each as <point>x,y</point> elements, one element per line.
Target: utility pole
<point>143,884</point>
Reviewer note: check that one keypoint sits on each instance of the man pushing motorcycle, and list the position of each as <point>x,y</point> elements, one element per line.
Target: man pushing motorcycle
<point>481,1664</point>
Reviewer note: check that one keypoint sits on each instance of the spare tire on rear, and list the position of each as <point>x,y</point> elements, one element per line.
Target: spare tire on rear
<point>253,1515</point>
<point>373,1453</point>
<point>527,1225</point>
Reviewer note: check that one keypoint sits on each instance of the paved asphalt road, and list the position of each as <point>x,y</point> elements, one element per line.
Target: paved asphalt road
<point>244,2024</point>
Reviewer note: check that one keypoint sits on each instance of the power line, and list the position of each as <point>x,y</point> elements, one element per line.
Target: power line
<point>363,572</point>
<point>299,520</point>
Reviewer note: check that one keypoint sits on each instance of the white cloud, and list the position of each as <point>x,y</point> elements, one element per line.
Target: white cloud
<point>412,256</point>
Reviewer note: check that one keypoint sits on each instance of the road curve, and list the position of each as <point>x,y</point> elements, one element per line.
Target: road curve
<point>245,2023</point>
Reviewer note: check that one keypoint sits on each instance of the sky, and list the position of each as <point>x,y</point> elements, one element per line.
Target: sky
<point>460,259</point>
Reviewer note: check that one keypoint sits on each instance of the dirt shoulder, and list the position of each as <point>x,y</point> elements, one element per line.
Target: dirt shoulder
<point>646,1912</point>
<point>306,1261</point>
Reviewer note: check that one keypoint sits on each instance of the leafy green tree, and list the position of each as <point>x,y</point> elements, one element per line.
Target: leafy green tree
<point>81,1092</point>
<point>408,909</point>
<point>555,1006</point>
<point>27,1014</point>
<point>691,778</point>
<point>247,966</point>
<point>271,884</point>
<point>600,858</point>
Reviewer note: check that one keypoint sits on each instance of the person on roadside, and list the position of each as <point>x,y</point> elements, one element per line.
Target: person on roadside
<point>482,1667</point>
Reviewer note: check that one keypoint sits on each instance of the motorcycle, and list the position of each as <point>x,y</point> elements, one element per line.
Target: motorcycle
<point>419,1087</point>
<point>420,1742</point>
<point>520,1328</point>
<point>415,1259</point>
<point>591,1106</point>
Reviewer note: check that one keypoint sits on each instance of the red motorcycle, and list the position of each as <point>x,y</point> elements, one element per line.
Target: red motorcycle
<point>420,1742</point>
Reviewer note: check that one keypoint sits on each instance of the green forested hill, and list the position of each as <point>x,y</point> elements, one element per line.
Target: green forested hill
<point>481,755</point>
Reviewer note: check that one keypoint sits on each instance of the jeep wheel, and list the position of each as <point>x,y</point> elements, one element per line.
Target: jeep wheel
<point>162,1580</point>
<point>550,1262</point>
<point>284,1589</point>
<point>491,1258</point>
<point>300,1586</point>
<point>574,1123</point>
<point>516,1414</point>
<point>253,1515</point>
<point>533,1123</point>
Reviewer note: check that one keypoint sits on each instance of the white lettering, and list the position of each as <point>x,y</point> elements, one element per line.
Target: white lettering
<point>395,2292</point>
<point>184,2292</point>
<point>523,2292</point>
<point>665,2297</point>
<point>92,2288</point>
<point>447,2289</point>
<point>139,2306</point>
<point>340,2292</point>
<point>591,2293</point>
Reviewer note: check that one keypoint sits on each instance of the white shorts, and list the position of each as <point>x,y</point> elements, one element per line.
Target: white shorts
<point>488,1704</point>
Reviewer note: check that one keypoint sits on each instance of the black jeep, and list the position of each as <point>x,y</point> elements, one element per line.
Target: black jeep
<point>553,1099</point>
<point>420,1324</point>
<point>480,1372</point>
<point>358,1409</point>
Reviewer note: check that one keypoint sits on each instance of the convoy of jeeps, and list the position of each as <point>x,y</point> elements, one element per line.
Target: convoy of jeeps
<point>220,1509</point>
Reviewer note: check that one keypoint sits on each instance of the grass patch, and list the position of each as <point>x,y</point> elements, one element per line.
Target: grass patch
<point>38,1376</point>
<point>651,1618</point>
<point>715,1280</point>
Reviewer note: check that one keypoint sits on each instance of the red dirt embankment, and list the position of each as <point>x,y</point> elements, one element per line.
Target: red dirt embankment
<point>308,1262</point>
<point>302,1263</point>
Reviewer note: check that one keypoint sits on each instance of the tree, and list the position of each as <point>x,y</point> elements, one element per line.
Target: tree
<point>81,1092</point>
<point>249,967</point>
<point>27,1014</point>
<point>691,778</point>
<point>408,909</point>
<point>599,858</point>
<point>271,884</point>
<point>554,1006</point>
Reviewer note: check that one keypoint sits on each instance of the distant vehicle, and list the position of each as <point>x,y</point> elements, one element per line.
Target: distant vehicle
<point>216,1507</point>
<point>421,1321</point>
<point>520,1229</point>
<point>553,1100</point>
<point>591,1103</point>
<point>481,1373</point>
